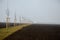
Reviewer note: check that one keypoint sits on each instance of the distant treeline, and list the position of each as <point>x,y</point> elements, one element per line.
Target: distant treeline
<point>3,24</point>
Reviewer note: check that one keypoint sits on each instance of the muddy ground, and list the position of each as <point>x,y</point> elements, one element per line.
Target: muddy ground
<point>37,32</point>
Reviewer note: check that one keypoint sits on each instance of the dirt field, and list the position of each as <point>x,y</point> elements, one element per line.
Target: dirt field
<point>37,32</point>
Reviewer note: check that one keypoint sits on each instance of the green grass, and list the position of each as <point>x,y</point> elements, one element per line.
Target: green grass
<point>10,30</point>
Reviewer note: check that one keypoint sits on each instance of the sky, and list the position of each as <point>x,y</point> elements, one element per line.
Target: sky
<point>37,11</point>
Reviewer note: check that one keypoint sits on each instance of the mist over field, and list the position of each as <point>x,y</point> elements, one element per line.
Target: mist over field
<point>38,11</point>
<point>29,19</point>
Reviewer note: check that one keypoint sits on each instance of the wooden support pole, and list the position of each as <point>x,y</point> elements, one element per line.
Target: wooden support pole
<point>15,20</point>
<point>7,22</point>
<point>20,19</point>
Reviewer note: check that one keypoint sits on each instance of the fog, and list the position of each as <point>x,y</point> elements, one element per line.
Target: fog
<point>37,11</point>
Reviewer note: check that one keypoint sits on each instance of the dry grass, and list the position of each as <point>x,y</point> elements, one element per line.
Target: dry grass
<point>6,32</point>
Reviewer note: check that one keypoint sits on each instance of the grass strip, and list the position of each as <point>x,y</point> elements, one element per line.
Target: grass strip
<point>10,30</point>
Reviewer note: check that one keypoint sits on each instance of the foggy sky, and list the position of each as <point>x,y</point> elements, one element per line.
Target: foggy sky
<point>38,11</point>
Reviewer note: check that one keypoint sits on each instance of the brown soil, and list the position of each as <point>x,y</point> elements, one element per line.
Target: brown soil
<point>37,32</point>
